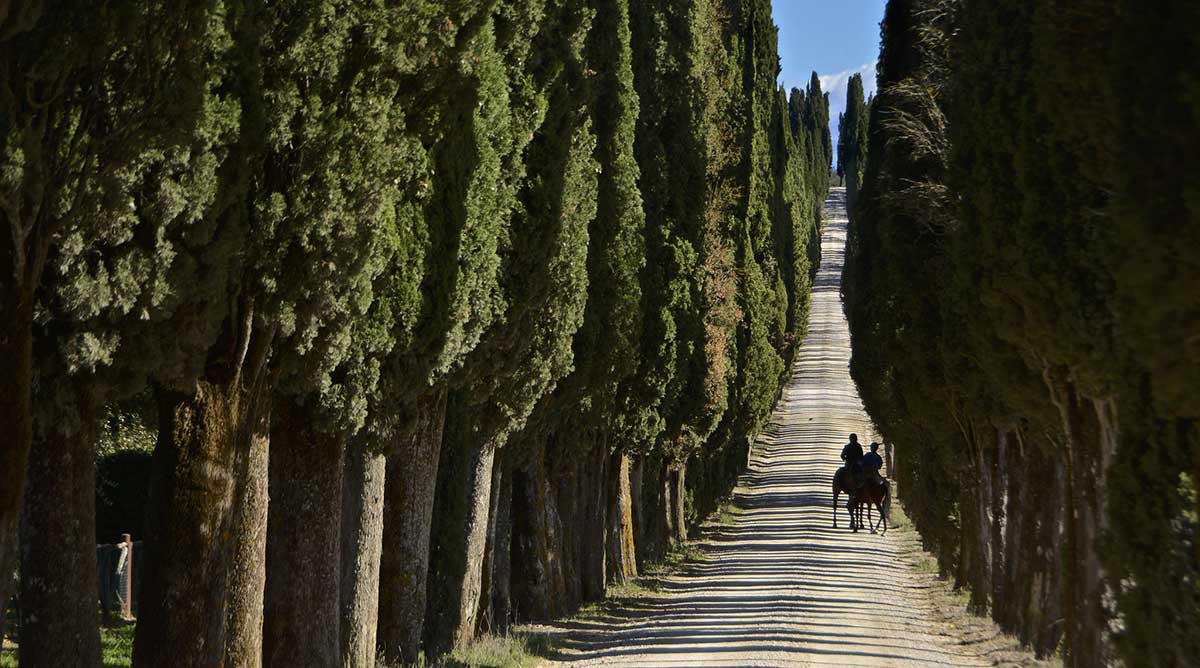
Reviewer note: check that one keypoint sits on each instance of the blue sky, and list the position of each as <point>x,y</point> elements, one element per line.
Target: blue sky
<point>834,37</point>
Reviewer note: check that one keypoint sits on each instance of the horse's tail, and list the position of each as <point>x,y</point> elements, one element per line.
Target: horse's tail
<point>887,500</point>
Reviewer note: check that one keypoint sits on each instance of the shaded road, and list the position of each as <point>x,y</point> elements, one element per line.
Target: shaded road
<point>779,586</point>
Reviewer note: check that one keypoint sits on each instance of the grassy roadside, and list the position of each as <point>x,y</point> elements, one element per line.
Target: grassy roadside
<point>541,638</point>
<point>116,648</point>
<point>519,649</point>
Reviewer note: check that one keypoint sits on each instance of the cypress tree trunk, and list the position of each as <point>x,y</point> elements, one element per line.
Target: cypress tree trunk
<point>58,544</point>
<point>637,513</point>
<point>1031,606</point>
<point>201,594</point>
<point>412,474</point>
<point>501,588</point>
<point>999,484</point>
<point>677,507</point>
<point>981,581</point>
<point>16,378</point>
<point>966,556</point>
<point>456,576</point>
<point>659,519</point>
<point>362,544</point>
<point>486,620</point>
<point>592,521</point>
<point>1087,459</point>
<point>538,579</point>
<point>301,616</point>
<point>1016,578</point>
<point>244,635</point>
<point>621,560</point>
<point>565,469</point>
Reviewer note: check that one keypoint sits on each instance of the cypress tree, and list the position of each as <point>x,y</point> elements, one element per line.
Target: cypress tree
<point>310,430</point>
<point>852,140</point>
<point>816,125</point>
<point>518,361</point>
<point>110,149</point>
<point>309,226</point>
<point>794,225</point>
<point>75,142</point>
<point>599,398</point>
<point>442,289</point>
<point>761,297</point>
<point>670,157</point>
<point>997,238</point>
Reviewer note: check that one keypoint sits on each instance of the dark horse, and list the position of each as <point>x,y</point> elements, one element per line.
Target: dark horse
<point>878,494</point>
<point>842,482</point>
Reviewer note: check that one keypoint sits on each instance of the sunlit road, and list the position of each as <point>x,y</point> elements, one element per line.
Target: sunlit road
<point>780,586</point>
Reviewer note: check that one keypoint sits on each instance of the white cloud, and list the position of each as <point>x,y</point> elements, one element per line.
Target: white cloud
<point>835,84</point>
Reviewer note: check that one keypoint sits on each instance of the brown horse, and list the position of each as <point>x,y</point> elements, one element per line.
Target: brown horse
<point>842,482</point>
<point>873,493</point>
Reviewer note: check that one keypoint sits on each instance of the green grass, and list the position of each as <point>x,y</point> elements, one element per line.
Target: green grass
<point>116,647</point>
<point>675,558</point>
<point>515,650</point>
<point>726,513</point>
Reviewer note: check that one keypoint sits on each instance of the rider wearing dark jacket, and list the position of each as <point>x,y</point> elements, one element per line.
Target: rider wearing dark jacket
<point>852,454</point>
<point>872,462</point>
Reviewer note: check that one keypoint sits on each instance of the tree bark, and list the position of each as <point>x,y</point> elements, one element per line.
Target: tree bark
<point>463,502</point>
<point>658,527</point>
<point>362,545</point>
<point>637,509</point>
<point>302,606</point>
<point>412,474</point>
<point>58,542</point>
<point>538,580</point>
<point>1087,459</point>
<point>592,521</point>
<point>565,469</point>
<point>621,560</point>
<point>16,378</point>
<point>981,577</point>
<point>501,589</point>
<point>201,594</point>
<point>486,620</point>
<point>1033,533</point>
<point>678,509</point>
<point>244,635</point>
<point>999,484</point>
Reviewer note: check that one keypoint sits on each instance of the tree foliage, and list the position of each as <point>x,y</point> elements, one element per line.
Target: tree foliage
<point>999,238</point>
<point>571,226</point>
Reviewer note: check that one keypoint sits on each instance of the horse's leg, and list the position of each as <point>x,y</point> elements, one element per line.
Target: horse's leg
<point>870,523</point>
<point>835,500</point>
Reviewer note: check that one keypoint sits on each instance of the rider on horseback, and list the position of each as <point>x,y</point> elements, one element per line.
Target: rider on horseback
<point>872,463</point>
<point>852,454</point>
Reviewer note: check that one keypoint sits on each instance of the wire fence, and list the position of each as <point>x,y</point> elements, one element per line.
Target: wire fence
<point>119,579</point>
<point>119,565</point>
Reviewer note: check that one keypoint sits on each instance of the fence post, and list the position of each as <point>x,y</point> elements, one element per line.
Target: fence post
<point>125,584</point>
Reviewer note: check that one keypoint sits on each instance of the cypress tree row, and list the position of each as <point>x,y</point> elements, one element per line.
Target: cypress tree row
<point>852,139</point>
<point>451,314</point>
<point>999,242</point>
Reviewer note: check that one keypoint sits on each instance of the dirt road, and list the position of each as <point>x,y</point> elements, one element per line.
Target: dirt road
<point>779,586</point>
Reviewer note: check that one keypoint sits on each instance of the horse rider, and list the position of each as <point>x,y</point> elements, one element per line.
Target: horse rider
<point>852,454</point>
<point>872,463</point>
